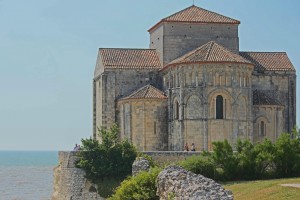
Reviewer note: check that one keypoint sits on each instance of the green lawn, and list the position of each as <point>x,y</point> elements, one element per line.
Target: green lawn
<point>263,190</point>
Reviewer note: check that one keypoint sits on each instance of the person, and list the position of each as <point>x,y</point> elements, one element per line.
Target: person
<point>186,147</point>
<point>193,147</point>
<point>76,148</point>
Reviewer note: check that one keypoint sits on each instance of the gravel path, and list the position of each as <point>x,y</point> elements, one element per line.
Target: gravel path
<point>296,185</point>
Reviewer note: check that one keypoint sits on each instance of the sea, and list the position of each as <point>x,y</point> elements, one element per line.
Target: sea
<point>27,175</point>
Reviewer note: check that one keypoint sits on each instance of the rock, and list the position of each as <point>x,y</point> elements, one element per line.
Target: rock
<point>140,164</point>
<point>176,183</point>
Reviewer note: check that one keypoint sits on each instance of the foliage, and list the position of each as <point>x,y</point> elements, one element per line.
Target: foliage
<point>245,157</point>
<point>203,165</point>
<point>139,187</point>
<point>249,162</point>
<point>287,156</point>
<point>264,160</point>
<point>107,186</point>
<point>224,158</point>
<point>110,159</point>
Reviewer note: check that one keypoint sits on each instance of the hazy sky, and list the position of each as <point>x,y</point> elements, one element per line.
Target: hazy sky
<point>48,51</point>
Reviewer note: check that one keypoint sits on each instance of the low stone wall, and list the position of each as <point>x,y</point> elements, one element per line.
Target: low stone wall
<point>70,182</point>
<point>170,156</point>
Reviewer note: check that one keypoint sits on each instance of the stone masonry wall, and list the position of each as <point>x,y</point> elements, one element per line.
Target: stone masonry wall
<point>173,40</point>
<point>113,85</point>
<point>195,88</point>
<point>69,181</point>
<point>144,123</point>
<point>279,86</point>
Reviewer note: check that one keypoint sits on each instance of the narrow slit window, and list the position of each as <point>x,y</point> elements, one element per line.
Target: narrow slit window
<point>219,107</point>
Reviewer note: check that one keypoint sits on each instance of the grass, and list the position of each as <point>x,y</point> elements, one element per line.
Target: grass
<point>265,190</point>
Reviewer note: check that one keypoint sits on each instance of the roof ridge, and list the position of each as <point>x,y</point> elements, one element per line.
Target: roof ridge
<point>283,52</point>
<point>178,12</point>
<point>195,14</point>
<point>211,44</point>
<point>126,48</point>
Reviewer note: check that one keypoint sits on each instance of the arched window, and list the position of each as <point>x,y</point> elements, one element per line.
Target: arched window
<point>219,107</point>
<point>262,128</point>
<point>176,110</point>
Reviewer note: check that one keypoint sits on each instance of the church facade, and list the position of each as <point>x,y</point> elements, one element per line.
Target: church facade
<point>193,85</point>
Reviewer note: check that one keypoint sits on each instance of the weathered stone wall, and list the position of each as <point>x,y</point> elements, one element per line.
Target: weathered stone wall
<point>176,183</point>
<point>144,123</point>
<point>170,156</point>
<point>282,87</point>
<point>176,39</point>
<point>273,122</point>
<point>113,85</point>
<point>69,181</point>
<point>157,41</point>
<point>192,90</point>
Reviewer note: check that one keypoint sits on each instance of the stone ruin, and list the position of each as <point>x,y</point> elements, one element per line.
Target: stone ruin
<point>140,164</point>
<point>176,183</point>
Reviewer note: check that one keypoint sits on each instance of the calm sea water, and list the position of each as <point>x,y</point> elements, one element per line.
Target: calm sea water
<point>27,175</point>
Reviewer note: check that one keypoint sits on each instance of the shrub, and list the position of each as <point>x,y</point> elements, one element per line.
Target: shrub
<point>287,156</point>
<point>245,157</point>
<point>224,158</point>
<point>203,165</point>
<point>140,187</point>
<point>110,159</point>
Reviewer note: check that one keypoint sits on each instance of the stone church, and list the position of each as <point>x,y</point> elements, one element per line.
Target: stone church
<point>193,85</point>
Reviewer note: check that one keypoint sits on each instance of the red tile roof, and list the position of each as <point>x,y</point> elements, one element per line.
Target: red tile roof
<point>146,92</point>
<point>129,58</point>
<point>210,52</point>
<point>271,61</point>
<point>194,14</point>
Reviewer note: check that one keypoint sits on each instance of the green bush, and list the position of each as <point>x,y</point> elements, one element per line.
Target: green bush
<point>140,187</point>
<point>245,157</point>
<point>203,165</point>
<point>110,159</point>
<point>224,158</point>
<point>287,156</point>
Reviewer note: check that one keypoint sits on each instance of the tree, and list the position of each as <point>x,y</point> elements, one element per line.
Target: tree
<point>110,159</point>
<point>224,158</point>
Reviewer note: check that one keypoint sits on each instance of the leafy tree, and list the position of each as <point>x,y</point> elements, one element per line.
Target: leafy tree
<point>287,156</point>
<point>110,159</point>
<point>245,160</point>
<point>225,159</point>
<point>264,159</point>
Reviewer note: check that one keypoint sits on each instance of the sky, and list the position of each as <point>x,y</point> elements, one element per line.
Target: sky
<point>48,50</point>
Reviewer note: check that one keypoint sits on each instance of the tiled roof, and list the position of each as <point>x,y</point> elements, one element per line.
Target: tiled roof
<point>129,58</point>
<point>261,98</point>
<point>210,52</point>
<point>146,92</point>
<point>194,14</point>
<point>273,61</point>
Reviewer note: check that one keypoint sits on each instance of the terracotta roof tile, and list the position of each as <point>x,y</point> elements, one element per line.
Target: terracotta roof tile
<point>194,14</point>
<point>273,61</point>
<point>130,58</point>
<point>261,98</point>
<point>146,92</point>
<point>210,52</point>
